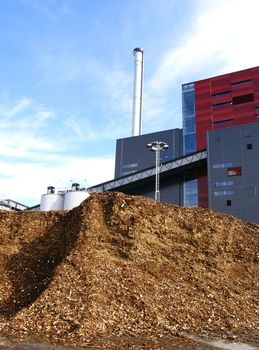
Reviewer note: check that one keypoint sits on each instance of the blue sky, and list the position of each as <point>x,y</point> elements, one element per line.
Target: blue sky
<point>66,78</point>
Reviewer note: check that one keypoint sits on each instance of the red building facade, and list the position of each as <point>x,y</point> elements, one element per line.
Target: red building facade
<point>227,100</point>
<point>218,102</point>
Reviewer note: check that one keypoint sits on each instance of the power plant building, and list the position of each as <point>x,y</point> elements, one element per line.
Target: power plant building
<point>213,162</point>
<point>132,154</point>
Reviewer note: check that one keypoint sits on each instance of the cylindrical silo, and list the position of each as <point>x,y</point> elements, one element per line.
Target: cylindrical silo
<point>51,201</point>
<point>74,198</point>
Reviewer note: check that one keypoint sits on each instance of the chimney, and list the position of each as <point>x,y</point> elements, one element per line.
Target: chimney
<point>137,94</point>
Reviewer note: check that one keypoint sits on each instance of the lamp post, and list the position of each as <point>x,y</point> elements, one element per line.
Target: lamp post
<point>157,146</point>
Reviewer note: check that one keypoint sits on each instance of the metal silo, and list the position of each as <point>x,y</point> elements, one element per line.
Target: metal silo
<point>74,197</point>
<point>51,200</point>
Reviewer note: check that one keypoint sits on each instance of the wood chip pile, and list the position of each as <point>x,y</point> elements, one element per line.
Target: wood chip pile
<point>120,265</point>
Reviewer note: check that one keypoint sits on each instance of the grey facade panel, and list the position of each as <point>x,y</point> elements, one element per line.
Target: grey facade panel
<point>233,171</point>
<point>132,154</point>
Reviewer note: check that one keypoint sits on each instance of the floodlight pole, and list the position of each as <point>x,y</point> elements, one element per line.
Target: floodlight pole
<point>157,146</point>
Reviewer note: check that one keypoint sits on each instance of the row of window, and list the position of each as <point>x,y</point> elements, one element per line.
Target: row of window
<point>131,165</point>
<point>236,100</point>
<point>227,121</point>
<point>222,122</point>
<point>221,93</point>
<point>223,193</point>
<point>250,191</point>
<point>221,165</point>
<point>243,82</point>
<point>216,105</point>
<point>223,183</point>
<point>231,171</point>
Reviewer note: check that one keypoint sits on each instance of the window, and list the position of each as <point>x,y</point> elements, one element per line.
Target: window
<point>242,82</point>
<point>189,125</point>
<point>132,165</point>
<point>189,119</point>
<point>190,192</point>
<point>221,93</point>
<point>124,173</point>
<point>189,86</point>
<point>242,99</point>
<point>221,165</point>
<point>223,193</point>
<point>221,122</point>
<point>189,143</point>
<point>235,171</point>
<point>216,105</point>
<point>229,203</point>
<point>223,183</point>
<point>249,146</point>
<point>188,103</point>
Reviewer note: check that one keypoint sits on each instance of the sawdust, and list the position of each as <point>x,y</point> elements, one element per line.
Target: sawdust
<point>125,267</point>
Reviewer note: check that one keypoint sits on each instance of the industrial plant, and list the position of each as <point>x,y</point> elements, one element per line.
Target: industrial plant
<point>211,162</point>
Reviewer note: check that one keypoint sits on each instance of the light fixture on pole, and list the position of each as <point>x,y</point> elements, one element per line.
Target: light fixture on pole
<point>157,146</point>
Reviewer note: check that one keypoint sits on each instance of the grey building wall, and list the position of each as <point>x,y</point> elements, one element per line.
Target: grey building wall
<point>233,171</point>
<point>132,154</point>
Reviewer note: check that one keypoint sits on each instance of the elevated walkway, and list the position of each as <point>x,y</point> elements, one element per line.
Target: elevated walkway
<point>173,166</point>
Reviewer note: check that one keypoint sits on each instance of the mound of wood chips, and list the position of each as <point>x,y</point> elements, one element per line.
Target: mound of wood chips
<point>125,266</point>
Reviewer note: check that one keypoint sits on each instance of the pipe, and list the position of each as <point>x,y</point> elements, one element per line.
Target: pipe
<point>137,94</point>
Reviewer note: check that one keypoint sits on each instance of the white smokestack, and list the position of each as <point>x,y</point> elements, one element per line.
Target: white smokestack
<point>137,94</point>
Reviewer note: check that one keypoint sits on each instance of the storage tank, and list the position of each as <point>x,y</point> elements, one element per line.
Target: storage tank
<point>74,198</point>
<point>51,200</point>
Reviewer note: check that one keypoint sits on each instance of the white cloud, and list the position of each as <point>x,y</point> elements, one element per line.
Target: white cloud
<point>32,159</point>
<point>223,40</point>
<point>23,123</point>
<point>26,182</point>
<point>15,107</point>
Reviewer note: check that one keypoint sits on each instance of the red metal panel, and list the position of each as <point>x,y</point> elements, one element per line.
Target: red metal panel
<point>241,113</point>
<point>220,99</point>
<point>242,90</point>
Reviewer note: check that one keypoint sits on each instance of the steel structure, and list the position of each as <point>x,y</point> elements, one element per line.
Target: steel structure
<point>11,205</point>
<point>157,147</point>
<point>173,165</point>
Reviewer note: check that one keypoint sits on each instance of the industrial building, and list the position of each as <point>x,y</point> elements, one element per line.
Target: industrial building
<point>213,161</point>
